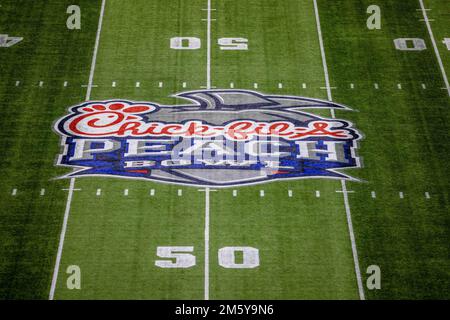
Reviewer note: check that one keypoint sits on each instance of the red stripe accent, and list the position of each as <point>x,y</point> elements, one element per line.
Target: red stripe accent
<point>138,171</point>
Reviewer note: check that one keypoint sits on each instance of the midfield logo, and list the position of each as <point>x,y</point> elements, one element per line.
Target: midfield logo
<point>220,138</point>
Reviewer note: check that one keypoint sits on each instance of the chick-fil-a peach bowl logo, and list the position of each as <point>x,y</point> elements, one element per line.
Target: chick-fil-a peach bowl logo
<point>220,138</point>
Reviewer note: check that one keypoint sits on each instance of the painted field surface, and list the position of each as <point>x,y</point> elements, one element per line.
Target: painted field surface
<point>289,239</point>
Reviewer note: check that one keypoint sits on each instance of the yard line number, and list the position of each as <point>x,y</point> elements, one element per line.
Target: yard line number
<point>194,43</point>
<point>182,257</point>
<point>7,41</point>
<point>415,44</point>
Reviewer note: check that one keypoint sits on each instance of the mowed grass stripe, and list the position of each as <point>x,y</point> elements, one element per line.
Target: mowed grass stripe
<point>439,24</point>
<point>303,240</point>
<point>406,134</point>
<point>71,188</point>
<point>114,238</point>
<point>51,53</point>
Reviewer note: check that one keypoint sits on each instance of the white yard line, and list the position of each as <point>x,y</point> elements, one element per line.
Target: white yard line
<point>61,240</point>
<point>343,183</point>
<point>353,241</point>
<point>72,180</point>
<point>324,60</point>
<point>207,190</point>
<point>436,50</point>
<point>208,47</point>
<point>94,56</point>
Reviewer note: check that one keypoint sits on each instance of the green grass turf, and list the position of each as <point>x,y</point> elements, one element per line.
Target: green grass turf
<point>405,145</point>
<point>439,14</point>
<point>303,241</point>
<point>317,246</point>
<point>113,240</point>
<point>30,224</point>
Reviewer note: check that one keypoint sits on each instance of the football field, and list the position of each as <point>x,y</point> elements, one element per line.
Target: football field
<point>124,231</point>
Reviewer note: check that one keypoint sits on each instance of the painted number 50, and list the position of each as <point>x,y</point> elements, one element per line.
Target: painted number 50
<point>181,257</point>
<point>193,43</point>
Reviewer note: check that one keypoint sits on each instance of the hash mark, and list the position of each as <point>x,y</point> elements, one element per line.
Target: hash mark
<point>304,85</point>
<point>184,84</point>
<point>347,191</point>
<point>255,85</point>
<point>401,195</point>
<point>41,83</point>
<point>231,85</point>
<point>317,194</point>
<point>261,193</point>
<point>352,86</point>
<point>113,84</point>
<point>424,86</point>
<point>65,84</point>
<point>138,84</point>
<point>180,192</point>
<point>125,192</point>
<point>373,194</point>
<point>17,83</point>
<point>427,195</point>
<point>234,193</point>
<point>14,192</point>
<point>99,192</point>
<point>42,192</point>
<point>290,193</point>
<point>280,86</point>
<point>376,86</point>
<point>326,88</point>
<point>152,192</point>
<point>399,86</point>
<point>160,84</point>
